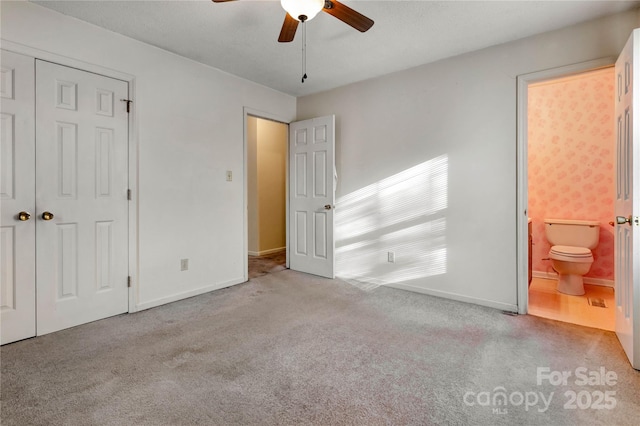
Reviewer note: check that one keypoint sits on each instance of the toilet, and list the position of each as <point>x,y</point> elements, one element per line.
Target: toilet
<point>571,243</point>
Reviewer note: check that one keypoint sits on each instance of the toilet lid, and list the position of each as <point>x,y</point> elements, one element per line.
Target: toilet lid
<point>569,253</point>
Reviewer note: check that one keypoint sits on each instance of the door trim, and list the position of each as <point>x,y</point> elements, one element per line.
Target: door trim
<point>246,113</point>
<point>133,148</point>
<point>522,193</point>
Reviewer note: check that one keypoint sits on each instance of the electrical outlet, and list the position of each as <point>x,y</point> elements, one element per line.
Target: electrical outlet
<point>229,175</point>
<point>184,264</point>
<point>391,257</point>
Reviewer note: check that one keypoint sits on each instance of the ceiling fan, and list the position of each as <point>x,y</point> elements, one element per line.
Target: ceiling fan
<point>305,10</point>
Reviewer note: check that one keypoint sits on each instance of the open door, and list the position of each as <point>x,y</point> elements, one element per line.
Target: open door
<point>312,196</point>
<point>627,205</point>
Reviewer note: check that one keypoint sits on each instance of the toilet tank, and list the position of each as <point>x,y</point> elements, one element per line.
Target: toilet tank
<point>576,233</point>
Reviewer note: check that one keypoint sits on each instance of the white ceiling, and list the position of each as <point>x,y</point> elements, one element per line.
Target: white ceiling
<point>241,37</point>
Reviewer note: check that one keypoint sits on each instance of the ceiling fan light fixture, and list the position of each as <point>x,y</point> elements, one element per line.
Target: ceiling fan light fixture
<point>302,10</point>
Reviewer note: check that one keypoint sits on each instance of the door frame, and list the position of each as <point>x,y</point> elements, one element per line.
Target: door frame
<point>522,180</point>
<point>133,258</point>
<point>246,113</point>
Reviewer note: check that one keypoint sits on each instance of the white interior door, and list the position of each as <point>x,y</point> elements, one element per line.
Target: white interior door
<point>312,196</point>
<point>627,205</point>
<point>17,191</point>
<point>81,197</point>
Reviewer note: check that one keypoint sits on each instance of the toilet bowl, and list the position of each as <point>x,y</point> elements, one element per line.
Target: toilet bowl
<point>571,264</point>
<point>571,243</point>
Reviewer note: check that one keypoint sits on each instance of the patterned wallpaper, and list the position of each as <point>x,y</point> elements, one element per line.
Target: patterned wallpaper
<point>572,160</point>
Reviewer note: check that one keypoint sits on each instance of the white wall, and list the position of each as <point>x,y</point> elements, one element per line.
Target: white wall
<point>460,114</point>
<point>189,121</point>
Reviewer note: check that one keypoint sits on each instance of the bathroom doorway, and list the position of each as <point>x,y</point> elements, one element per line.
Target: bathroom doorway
<point>266,195</point>
<point>570,175</point>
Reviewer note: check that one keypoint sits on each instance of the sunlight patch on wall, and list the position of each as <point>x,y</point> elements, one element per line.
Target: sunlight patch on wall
<point>402,214</point>
<point>415,192</point>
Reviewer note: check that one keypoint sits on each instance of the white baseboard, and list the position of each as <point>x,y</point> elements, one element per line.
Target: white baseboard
<point>459,297</point>
<point>175,297</point>
<point>587,280</point>
<point>369,283</point>
<point>265,252</point>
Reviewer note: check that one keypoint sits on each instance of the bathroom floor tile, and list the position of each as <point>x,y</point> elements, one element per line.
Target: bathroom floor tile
<point>545,301</point>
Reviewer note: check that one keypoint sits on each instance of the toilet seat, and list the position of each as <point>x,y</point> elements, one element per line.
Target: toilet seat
<point>571,254</point>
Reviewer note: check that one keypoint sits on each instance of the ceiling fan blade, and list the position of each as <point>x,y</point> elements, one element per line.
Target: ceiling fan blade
<point>288,31</point>
<point>347,15</point>
<point>221,1</point>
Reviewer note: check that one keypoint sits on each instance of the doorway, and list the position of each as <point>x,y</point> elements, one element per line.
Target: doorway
<point>571,158</point>
<point>569,78</point>
<point>266,195</point>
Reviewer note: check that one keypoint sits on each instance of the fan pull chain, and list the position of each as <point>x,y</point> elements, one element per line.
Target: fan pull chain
<point>304,51</point>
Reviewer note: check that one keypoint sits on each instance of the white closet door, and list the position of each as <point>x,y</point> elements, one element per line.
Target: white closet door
<point>17,231</point>
<point>81,193</point>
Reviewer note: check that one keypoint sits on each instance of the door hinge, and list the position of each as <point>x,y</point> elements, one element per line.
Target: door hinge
<point>129,281</point>
<point>129,194</point>
<point>128,101</point>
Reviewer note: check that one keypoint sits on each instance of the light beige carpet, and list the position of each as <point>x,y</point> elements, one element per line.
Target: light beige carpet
<point>289,348</point>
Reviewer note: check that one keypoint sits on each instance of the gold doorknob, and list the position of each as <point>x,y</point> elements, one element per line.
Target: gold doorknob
<point>327,207</point>
<point>47,215</point>
<point>24,216</point>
